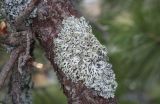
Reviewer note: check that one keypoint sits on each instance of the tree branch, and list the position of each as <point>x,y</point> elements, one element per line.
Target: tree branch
<point>52,15</point>
<point>9,65</point>
<point>47,26</point>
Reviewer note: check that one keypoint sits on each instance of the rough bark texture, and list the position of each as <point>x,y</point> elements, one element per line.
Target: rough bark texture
<point>46,27</point>
<point>20,66</point>
<point>21,86</point>
<point>18,40</point>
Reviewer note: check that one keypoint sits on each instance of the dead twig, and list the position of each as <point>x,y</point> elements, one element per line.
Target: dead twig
<point>9,65</point>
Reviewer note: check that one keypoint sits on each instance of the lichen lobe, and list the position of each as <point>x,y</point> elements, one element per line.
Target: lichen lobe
<point>82,57</point>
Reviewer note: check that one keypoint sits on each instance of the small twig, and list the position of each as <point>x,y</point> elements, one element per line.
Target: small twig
<point>23,58</point>
<point>9,65</point>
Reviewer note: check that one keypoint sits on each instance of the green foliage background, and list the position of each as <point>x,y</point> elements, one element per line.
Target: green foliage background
<point>134,48</point>
<point>133,42</point>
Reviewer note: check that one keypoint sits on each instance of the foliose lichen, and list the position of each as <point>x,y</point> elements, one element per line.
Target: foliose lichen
<point>82,57</point>
<point>13,8</point>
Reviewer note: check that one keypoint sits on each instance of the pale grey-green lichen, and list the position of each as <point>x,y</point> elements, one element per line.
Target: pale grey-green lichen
<point>82,57</point>
<point>14,8</point>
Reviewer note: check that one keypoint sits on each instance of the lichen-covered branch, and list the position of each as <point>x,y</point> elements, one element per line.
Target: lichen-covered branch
<point>18,14</point>
<point>76,55</point>
<point>82,58</point>
<point>78,58</point>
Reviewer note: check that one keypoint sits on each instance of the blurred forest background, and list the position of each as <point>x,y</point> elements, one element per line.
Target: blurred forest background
<point>130,29</point>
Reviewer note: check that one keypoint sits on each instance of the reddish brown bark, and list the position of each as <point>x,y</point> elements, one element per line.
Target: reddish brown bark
<point>46,27</point>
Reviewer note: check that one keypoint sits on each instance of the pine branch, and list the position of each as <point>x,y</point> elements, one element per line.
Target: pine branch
<point>47,27</point>
<point>58,19</point>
